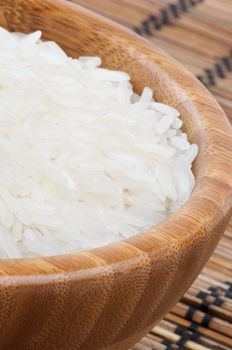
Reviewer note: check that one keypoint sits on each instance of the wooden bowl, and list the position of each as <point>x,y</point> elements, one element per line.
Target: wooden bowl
<point>108,298</point>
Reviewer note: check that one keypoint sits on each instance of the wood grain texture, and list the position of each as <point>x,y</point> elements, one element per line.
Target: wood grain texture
<point>108,298</point>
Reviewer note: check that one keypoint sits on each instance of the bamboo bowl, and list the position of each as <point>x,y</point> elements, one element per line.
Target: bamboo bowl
<point>108,298</point>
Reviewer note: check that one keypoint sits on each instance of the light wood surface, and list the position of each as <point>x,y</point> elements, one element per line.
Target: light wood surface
<point>108,298</point>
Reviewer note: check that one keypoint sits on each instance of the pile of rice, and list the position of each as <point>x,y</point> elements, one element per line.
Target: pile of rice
<point>84,160</point>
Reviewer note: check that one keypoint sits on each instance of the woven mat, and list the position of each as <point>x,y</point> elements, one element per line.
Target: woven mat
<point>199,35</point>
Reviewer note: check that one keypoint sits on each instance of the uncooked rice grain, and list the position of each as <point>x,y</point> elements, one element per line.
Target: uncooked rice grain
<point>84,160</point>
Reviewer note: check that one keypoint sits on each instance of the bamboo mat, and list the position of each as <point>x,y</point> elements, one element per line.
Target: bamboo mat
<point>198,33</point>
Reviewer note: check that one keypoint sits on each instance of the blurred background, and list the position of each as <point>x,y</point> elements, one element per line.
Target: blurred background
<point>198,33</point>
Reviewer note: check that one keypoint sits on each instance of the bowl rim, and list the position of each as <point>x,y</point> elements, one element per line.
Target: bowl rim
<point>158,241</point>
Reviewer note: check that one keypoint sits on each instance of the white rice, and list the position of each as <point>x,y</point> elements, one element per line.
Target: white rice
<point>84,160</point>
